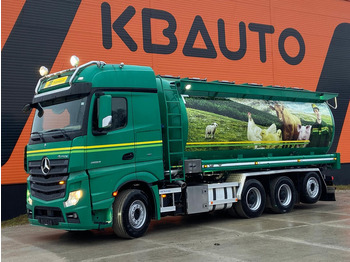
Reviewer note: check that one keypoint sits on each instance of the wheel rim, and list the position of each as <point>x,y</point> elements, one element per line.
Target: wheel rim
<point>137,214</point>
<point>284,195</point>
<point>253,199</point>
<point>312,187</point>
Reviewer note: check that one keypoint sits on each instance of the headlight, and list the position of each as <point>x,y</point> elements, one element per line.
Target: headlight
<point>29,200</point>
<point>73,198</point>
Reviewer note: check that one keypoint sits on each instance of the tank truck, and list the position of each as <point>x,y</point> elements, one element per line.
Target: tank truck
<point>114,145</point>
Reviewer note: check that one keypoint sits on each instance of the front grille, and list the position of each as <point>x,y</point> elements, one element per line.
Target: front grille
<point>47,187</point>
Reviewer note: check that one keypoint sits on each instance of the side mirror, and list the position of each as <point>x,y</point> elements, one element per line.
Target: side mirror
<point>104,112</point>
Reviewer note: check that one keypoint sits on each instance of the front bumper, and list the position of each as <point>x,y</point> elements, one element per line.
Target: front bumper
<point>54,214</point>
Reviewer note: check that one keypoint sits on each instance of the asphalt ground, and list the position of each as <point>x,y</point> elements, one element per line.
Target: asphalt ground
<point>318,232</point>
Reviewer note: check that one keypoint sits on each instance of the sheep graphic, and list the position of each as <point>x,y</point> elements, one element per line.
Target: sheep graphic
<point>210,130</point>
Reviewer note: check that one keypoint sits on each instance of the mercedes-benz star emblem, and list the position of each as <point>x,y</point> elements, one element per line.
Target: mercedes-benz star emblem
<point>45,165</point>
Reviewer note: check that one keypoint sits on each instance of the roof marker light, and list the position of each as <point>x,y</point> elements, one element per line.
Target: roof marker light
<point>74,61</point>
<point>43,71</point>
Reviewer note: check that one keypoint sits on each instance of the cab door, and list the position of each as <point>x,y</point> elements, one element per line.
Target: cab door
<point>110,154</point>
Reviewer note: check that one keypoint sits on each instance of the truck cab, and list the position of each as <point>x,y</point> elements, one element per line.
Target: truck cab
<point>96,131</point>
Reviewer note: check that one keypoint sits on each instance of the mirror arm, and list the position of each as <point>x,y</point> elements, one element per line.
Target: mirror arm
<point>28,107</point>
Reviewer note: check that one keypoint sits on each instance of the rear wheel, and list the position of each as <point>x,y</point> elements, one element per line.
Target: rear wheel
<point>311,188</point>
<point>282,194</point>
<point>131,214</point>
<point>253,200</point>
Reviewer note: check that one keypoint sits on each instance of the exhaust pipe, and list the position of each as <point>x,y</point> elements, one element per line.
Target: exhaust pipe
<point>180,183</point>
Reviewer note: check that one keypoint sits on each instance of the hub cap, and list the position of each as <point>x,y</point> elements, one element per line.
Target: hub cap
<point>312,187</point>
<point>253,199</point>
<point>137,214</point>
<point>284,195</point>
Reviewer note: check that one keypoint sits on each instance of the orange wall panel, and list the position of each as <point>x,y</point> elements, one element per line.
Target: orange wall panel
<point>315,21</point>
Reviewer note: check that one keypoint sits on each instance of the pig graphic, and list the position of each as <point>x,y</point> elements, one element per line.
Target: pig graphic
<point>304,132</point>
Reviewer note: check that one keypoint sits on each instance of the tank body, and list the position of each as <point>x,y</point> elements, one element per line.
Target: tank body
<point>231,127</point>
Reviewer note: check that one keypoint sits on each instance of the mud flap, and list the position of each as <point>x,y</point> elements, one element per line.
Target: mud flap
<point>329,195</point>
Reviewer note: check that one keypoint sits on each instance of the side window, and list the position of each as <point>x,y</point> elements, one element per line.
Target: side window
<point>119,113</point>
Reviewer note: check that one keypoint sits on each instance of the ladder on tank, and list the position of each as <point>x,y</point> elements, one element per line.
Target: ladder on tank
<point>174,130</point>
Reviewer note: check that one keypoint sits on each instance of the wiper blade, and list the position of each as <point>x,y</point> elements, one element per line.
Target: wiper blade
<point>64,133</point>
<point>39,134</point>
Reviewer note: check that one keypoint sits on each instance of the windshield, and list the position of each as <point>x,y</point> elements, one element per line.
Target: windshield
<point>62,115</point>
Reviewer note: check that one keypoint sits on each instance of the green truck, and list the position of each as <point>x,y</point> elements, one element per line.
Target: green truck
<point>113,145</point>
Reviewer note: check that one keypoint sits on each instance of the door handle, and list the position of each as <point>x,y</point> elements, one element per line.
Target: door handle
<point>128,156</point>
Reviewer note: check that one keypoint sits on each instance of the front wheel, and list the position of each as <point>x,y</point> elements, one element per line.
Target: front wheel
<point>253,200</point>
<point>131,214</point>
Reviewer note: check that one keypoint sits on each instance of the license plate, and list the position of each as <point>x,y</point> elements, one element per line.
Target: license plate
<point>55,82</point>
<point>48,221</point>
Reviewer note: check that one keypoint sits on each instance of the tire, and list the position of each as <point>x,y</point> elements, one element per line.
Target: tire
<point>311,188</point>
<point>253,200</point>
<point>131,214</point>
<point>282,195</point>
